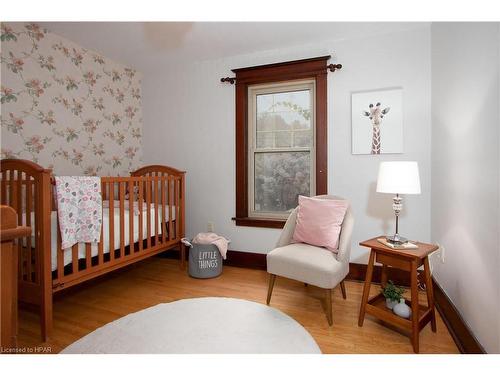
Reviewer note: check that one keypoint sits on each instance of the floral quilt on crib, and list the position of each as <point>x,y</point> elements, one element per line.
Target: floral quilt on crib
<point>79,209</point>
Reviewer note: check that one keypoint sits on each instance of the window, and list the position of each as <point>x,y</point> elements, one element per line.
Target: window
<point>281,147</point>
<point>281,139</point>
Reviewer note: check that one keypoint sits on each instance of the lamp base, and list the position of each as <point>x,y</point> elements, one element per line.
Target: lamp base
<point>396,239</point>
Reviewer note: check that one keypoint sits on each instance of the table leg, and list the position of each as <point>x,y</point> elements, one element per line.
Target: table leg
<point>366,288</point>
<point>430,292</point>
<point>414,306</point>
<point>383,276</point>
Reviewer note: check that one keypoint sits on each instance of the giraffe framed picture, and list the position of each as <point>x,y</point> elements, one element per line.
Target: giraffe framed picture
<point>377,122</point>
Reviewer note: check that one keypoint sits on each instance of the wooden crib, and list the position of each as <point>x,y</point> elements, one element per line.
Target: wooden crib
<point>149,205</point>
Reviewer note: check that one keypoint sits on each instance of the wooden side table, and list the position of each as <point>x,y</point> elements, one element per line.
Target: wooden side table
<point>408,260</point>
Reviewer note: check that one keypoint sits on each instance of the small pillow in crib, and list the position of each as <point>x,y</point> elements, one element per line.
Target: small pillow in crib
<point>319,222</point>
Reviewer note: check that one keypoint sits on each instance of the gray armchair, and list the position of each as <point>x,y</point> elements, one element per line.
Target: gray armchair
<point>310,264</point>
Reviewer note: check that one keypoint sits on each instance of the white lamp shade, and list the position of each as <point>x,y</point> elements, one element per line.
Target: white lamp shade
<point>398,177</point>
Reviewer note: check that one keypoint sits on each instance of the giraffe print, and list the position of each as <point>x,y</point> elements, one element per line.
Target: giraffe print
<point>376,114</point>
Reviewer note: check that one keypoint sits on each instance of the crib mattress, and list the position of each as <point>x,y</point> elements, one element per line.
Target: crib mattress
<point>105,229</point>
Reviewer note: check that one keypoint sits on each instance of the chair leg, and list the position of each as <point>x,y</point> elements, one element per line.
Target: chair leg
<point>272,279</point>
<point>329,306</point>
<point>342,287</point>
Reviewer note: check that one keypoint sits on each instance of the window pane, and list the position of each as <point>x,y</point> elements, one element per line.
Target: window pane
<point>281,114</point>
<point>283,139</point>
<point>280,177</point>
<point>265,139</point>
<point>302,139</point>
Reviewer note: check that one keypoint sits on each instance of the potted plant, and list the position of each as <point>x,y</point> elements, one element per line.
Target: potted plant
<point>392,294</point>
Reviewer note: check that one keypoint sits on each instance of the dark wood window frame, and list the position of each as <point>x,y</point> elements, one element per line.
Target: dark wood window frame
<point>314,68</point>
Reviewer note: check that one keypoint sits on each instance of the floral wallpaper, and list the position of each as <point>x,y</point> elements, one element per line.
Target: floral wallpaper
<point>66,107</point>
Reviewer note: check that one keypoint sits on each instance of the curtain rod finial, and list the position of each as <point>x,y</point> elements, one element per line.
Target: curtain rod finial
<point>231,80</point>
<point>334,67</point>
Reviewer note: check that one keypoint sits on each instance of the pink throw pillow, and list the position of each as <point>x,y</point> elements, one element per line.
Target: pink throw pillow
<point>319,222</point>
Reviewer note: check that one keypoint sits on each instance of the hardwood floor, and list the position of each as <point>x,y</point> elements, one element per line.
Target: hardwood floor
<point>85,308</point>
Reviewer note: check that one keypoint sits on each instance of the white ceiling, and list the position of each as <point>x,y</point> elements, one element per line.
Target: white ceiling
<point>145,45</point>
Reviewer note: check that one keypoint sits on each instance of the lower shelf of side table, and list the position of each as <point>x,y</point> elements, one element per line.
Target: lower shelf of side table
<point>377,308</point>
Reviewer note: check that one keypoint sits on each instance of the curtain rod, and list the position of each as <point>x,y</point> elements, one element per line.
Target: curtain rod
<point>232,80</point>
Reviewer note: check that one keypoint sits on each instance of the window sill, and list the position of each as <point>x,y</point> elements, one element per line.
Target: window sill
<point>257,222</point>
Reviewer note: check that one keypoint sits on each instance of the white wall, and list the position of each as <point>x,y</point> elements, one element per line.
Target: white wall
<point>465,171</point>
<point>189,124</point>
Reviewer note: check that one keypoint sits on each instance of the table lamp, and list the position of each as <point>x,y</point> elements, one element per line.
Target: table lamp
<point>398,177</point>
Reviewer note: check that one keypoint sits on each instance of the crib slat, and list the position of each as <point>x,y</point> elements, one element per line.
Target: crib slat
<point>111,216</point>
<point>13,204</point>
<point>36,192</point>
<point>12,194</point>
<point>164,187</point>
<point>100,250</point>
<point>19,210</point>
<point>29,198</point>
<point>4,187</point>
<point>149,181</point>
<point>74,258</point>
<point>11,188</point>
<point>104,193</point>
<point>25,253</point>
<point>36,254</point>
<point>60,256</point>
<point>29,205</point>
<point>131,195</point>
<point>25,220</point>
<point>170,201</point>
<point>177,183</point>
<point>122,218</point>
<point>88,255</point>
<point>141,224</point>
<point>19,197</point>
<point>156,209</point>
<point>17,204</point>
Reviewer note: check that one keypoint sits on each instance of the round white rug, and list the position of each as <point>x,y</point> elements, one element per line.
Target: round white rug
<point>200,326</point>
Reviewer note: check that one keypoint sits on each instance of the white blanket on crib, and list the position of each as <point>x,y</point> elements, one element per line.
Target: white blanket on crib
<point>126,203</point>
<point>67,256</point>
